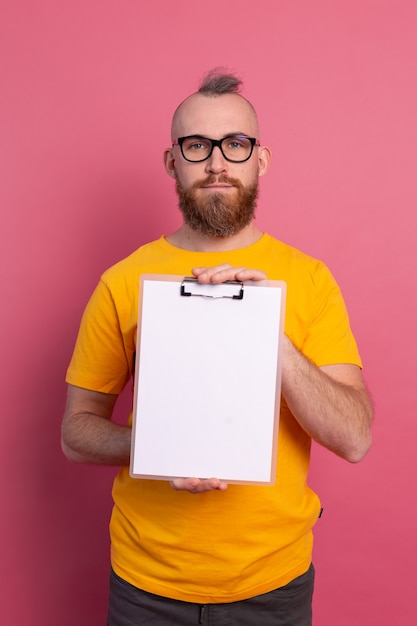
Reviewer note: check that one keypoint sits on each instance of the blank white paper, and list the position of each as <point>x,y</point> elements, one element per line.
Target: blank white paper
<point>207,383</point>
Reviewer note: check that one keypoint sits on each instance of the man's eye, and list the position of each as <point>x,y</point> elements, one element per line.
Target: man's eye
<point>196,146</point>
<point>235,144</point>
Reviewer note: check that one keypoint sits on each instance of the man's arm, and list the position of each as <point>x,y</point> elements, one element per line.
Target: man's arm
<point>330,403</point>
<point>88,435</point>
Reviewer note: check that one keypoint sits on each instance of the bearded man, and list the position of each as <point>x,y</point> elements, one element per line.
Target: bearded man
<point>199,551</point>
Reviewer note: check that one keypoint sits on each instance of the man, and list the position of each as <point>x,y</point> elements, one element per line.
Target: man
<point>201,551</point>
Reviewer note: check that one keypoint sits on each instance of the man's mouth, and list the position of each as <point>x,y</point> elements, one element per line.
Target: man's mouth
<point>212,183</point>
<point>217,186</point>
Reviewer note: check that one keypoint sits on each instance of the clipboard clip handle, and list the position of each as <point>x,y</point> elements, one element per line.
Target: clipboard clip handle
<point>229,289</point>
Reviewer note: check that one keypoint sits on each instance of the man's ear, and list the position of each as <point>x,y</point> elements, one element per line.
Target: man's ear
<point>264,159</point>
<point>169,162</point>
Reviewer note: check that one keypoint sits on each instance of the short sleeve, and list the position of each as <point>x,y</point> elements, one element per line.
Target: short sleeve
<point>329,338</point>
<point>100,360</point>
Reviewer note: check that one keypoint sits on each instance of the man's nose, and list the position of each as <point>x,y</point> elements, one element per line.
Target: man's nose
<point>216,162</point>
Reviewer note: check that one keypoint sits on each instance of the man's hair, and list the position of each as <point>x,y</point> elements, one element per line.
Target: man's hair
<point>217,82</point>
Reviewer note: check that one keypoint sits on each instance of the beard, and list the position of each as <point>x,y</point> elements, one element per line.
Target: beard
<point>218,215</point>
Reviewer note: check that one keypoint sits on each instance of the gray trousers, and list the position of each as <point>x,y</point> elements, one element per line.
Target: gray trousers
<point>286,606</point>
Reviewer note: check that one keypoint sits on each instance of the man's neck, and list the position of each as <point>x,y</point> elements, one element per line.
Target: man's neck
<point>188,239</point>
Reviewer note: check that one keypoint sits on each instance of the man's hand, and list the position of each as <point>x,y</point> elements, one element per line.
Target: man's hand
<point>197,485</point>
<point>222,273</point>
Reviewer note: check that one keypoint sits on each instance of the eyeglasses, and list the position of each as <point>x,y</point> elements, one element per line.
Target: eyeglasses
<point>234,148</point>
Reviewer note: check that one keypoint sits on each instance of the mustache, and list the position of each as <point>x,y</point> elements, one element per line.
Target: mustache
<point>212,178</point>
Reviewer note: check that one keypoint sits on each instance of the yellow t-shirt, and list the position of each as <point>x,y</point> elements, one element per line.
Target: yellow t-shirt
<point>247,540</point>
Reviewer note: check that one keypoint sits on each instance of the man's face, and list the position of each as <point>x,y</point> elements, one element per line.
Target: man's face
<point>217,197</point>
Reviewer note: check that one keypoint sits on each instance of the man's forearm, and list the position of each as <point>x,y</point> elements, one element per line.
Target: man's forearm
<point>331,404</point>
<point>88,438</point>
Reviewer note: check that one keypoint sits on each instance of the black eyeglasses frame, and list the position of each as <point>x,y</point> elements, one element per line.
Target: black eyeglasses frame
<point>216,142</point>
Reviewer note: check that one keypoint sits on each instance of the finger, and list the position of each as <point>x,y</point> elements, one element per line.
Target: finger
<point>222,273</point>
<point>250,274</point>
<point>206,274</point>
<point>195,485</point>
<point>196,271</point>
<point>218,274</point>
<point>185,484</point>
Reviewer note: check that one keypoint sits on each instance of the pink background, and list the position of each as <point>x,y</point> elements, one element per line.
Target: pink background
<point>87,92</point>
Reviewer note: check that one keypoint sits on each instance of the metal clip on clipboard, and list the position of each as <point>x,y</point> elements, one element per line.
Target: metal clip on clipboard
<point>229,289</point>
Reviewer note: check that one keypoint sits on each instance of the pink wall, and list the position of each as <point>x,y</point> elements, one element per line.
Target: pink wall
<point>87,90</point>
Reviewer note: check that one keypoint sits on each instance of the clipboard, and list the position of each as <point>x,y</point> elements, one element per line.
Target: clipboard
<point>207,380</point>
